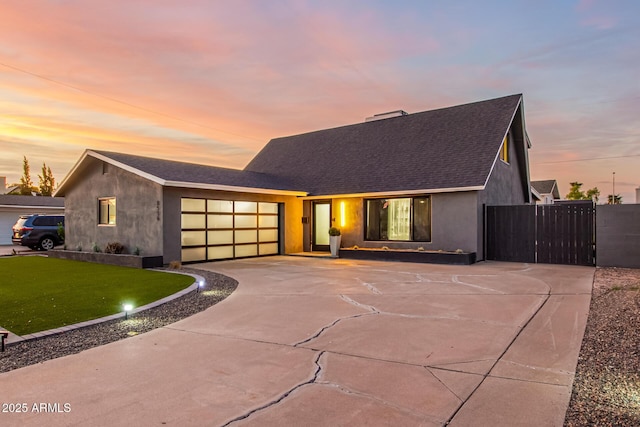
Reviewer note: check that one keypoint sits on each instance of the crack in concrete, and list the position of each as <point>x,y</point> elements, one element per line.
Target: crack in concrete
<point>332,324</point>
<point>443,384</point>
<point>359,305</point>
<point>369,286</point>
<point>456,280</point>
<point>384,402</point>
<point>283,396</point>
<point>488,374</point>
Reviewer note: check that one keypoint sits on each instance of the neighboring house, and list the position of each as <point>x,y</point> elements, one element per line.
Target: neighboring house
<point>545,192</point>
<point>11,207</point>
<point>397,180</point>
<point>12,189</point>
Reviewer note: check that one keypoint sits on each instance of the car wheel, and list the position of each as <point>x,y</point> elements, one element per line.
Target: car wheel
<point>47,243</point>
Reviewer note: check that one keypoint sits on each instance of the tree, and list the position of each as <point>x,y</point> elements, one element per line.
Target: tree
<point>593,194</point>
<point>614,200</point>
<point>46,181</point>
<point>26,185</point>
<point>575,193</point>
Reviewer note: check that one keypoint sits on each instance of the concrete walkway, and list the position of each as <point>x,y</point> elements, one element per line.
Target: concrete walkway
<point>307,341</point>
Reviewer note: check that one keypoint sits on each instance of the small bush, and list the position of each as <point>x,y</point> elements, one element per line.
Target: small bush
<point>137,251</point>
<point>333,231</point>
<point>459,251</point>
<point>61,231</point>
<point>114,248</point>
<point>79,248</point>
<point>175,265</point>
<point>96,248</point>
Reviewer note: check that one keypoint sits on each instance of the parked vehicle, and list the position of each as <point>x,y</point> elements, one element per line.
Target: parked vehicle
<point>38,231</point>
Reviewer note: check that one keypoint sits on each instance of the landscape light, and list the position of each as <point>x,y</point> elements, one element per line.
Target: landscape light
<point>127,309</point>
<point>200,285</point>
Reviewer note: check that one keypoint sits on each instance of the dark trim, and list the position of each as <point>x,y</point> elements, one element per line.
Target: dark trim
<point>409,256</point>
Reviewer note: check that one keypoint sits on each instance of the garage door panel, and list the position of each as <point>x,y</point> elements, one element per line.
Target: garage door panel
<point>220,237</point>
<point>246,250</point>
<point>220,252</point>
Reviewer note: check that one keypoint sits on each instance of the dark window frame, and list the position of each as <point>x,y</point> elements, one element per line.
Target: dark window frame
<point>427,231</point>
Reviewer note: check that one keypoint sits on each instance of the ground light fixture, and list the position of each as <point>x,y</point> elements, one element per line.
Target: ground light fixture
<point>127,308</point>
<point>200,285</point>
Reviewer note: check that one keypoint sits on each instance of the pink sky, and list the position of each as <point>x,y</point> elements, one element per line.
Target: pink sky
<point>213,82</point>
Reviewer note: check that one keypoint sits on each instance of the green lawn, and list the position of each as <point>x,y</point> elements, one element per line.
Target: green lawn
<point>38,293</point>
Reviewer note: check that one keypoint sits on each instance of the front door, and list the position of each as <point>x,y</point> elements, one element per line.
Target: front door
<point>321,225</point>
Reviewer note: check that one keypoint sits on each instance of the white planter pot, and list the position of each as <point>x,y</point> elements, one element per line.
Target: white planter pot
<point>334,245</point>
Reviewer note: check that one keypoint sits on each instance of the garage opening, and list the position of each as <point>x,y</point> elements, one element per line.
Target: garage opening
<point>228,229</point>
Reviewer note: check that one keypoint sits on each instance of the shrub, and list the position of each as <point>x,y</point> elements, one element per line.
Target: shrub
<point>96,248</point>
<point>61,231</point>
<point>175,265</point>
<point>114,248</point>
<point>137,251</point>
<point>333,231</point>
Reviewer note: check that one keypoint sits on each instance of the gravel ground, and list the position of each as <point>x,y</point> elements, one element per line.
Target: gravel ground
<point>217,288</point>
<point>606,389</point>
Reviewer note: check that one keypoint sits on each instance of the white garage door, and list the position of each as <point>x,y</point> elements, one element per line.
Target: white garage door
<point>7,220</point>
<point>226,229</point>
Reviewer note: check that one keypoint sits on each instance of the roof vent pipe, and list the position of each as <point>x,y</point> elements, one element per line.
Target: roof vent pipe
<point>388,115</point>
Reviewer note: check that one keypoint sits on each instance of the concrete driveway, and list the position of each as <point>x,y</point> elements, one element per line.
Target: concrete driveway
<point>307,341</point>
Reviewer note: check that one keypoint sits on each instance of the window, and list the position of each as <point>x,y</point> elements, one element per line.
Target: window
<point>504,149</point>
<point>107,211</point>
<point>401,219</point>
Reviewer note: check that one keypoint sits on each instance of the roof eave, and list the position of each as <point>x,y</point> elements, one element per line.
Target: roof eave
<point>395,193</point>
<point>236,189</point>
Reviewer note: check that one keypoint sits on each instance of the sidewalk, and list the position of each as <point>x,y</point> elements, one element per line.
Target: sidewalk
<point>7,250</point>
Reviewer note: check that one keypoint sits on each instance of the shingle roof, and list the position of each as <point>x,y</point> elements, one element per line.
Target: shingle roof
<point>547,187</point>
<point>32,201</point>
<point>449,148</point>
<point>182,172</point>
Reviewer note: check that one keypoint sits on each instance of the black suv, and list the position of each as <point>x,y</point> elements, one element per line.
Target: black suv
<point>38,231</point>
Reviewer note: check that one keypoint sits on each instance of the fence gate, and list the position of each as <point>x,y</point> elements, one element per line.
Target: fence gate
<point>554,234</point>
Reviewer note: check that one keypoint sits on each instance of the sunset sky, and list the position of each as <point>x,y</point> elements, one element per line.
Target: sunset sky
<point>213,81</point>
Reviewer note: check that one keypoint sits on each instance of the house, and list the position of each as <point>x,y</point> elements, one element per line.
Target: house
<point>4,189</point>
<point>11,207</point>
<point>397,180</point>
<point>545,192</point>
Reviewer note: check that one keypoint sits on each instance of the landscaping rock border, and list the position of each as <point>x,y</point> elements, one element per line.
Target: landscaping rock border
<point>25,353</point>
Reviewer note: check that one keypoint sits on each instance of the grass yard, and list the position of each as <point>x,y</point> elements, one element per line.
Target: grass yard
<point>38,293</point>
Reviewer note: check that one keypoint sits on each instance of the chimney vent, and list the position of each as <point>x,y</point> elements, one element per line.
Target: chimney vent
<point>390,114</point>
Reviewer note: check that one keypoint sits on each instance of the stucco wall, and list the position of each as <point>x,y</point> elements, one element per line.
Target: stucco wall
<point>292,232</point>
<point>137,220</point>
<point>453,224</point>
<point>618,236</point>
